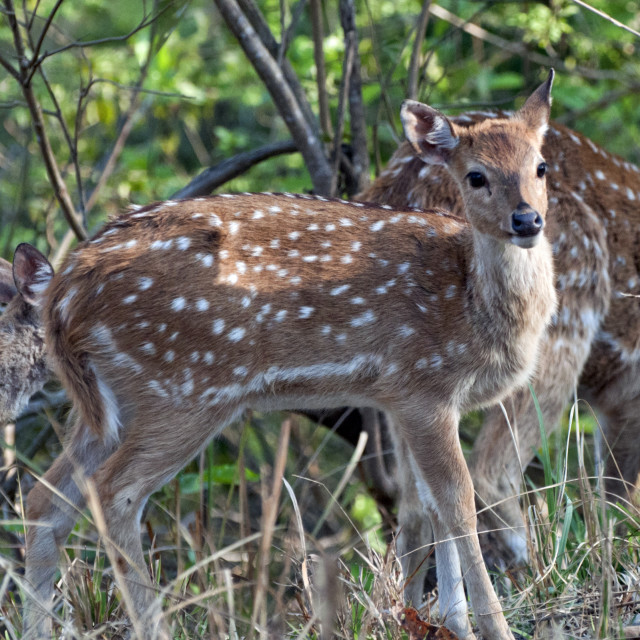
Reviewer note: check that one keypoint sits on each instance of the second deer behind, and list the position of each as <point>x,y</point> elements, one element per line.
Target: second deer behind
<point>175,318</point>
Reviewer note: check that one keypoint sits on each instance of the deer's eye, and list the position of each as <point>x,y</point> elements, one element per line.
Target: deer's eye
<point>542,169</point>
<point>476,180</point>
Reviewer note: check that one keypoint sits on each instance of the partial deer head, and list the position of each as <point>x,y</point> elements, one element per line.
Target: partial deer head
<point>23,365</point>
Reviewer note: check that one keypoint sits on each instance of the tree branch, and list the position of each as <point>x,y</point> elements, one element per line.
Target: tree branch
<point>302,131</point>
<point>360,153</point>
<point>35,110</point>
<point>321,72</point>
<point>414,64</point>
<point>211,178</point>
<point>521,50</point>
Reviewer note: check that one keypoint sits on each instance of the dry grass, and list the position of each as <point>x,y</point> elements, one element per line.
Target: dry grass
<point>239,557</point>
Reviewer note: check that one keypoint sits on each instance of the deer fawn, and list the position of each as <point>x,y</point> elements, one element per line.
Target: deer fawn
<point>185,313</point>
<point>592,341</point>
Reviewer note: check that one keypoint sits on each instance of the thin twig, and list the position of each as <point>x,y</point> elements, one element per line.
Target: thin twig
<point>359,151</point>
<point>521,50</point>
<point>287,34</point>
<point>342,101</point>
<point>43,33</point>
<point>42,139</point>
<point>414,64</point>
<point>317,27</point>
<point>606,16</point>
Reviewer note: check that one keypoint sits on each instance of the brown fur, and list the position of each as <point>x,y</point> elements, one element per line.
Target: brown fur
<point>594,338</point>
<point>23,366</point>
<point>189,312</point>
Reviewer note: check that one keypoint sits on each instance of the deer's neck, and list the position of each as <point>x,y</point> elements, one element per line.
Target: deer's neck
<point>513,288</point>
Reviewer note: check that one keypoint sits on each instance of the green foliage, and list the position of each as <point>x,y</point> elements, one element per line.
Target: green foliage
<point>202,102</point>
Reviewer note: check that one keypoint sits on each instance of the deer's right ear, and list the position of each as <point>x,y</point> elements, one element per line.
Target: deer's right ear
<point>7,288</point>
<point>31,273</point>
<point>430,132</point>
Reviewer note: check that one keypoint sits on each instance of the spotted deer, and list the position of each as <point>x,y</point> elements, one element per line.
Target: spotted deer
<point>593,341</point>
<point>186,313</point>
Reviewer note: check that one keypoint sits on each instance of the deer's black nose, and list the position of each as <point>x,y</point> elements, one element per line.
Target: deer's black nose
<point>526,221</point>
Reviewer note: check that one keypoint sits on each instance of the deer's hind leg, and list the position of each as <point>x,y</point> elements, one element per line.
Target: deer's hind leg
<point>153,452</point>
<point>53,506</point>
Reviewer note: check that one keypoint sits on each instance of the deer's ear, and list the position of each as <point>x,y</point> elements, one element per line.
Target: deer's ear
<point>7,287</point>
<point>31,273</point>
<point>430,133</point>
<point>537,109</point>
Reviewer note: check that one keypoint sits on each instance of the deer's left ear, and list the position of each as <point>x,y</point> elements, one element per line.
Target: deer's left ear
<point>430,133</point>
<point>537,109</point>
<point>31,273</point>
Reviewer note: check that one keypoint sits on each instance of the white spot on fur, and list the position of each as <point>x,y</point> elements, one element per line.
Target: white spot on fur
<point>405,331</point>
<point>235,335</point>
<point>346,259</point>
<point>205,258</point>
<point>178,304</point>
<point>368,317</point>
<point>341,289</point>
<point>183,243</point>
<point>377,226</point>
<point>145,283</point>
<point>281,315</point>
<point>161,244</point>
<point>218,326</point>
<point>202,304</point>
<point>234,227</point>
<point>130,299</point>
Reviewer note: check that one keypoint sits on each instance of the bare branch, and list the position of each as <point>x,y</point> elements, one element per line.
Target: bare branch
<point>211,178</point>
<point>7,65</point>
<point>287,34</point>
<point>35,110</point>
<point>606,16</point>
<point>127,126</point>
<point>321,73</point>
<point>45,30</point>
<point>301,130</point>
<point>342,101</point>
<point>360,154</point>
<point>521,50</point>
<point>414,64</point>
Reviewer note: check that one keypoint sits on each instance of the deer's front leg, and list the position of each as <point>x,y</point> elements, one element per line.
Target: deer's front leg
<point>438,457</point>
